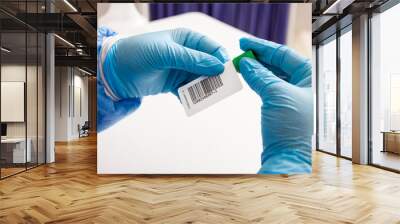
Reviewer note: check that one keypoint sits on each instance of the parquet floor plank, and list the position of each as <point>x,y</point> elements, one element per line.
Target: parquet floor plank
<point>70,191</point>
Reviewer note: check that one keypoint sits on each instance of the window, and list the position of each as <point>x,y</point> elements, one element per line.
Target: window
<point>13,84</point>
<point>385,89</point>
<point>333,77</point>
<point>346,94</point>
<point>327,97</point>
<point>22,77</point>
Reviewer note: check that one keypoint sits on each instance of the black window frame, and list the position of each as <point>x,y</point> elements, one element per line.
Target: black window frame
<point>30,29</point>
<point>381,9</point>
<point>333,37</point>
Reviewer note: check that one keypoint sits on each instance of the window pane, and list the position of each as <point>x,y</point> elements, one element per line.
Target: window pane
<point>31,98</point>
<point>386,89</point>
<point>41,98</point>
<point>13,86</point>
<point>23,89</point>
<point>327,97</point>
<point>346,94</point>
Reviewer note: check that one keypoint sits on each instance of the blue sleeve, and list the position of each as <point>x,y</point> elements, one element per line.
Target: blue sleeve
<point>110,112</point>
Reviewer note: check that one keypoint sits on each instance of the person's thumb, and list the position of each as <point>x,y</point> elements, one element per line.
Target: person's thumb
<point>193,61</point>
<point>258,77</point>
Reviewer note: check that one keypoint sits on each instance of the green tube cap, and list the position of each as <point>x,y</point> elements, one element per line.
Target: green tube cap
<point>236,60</point>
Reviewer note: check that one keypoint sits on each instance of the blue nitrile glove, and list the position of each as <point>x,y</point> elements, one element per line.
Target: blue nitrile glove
<point>108,111</point>
<point>160,62</point>
<point>287,109</point>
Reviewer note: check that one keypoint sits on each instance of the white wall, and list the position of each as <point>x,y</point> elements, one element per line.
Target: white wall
<point>33,127</point>
<point>71,94</point>
<point>61,103</point>
<point>12,73</point>
<point>80,103</point>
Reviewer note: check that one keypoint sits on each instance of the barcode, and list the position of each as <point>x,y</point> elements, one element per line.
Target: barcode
<point>204,88</point>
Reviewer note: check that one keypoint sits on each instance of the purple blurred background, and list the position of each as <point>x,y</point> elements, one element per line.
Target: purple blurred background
<point>267,21</point>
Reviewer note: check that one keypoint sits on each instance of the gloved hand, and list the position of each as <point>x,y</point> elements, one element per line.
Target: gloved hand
<point>110,112</point>
<point>160,62</point>
<point>282,79</point>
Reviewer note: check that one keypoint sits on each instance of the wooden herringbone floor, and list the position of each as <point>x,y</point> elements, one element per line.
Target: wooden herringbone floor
<point>70,191</point>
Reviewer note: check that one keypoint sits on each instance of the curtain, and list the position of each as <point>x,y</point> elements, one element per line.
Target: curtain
<point>267,21</point>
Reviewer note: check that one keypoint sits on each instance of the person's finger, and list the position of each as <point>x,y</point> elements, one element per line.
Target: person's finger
<point>278,72</point>
<point>200,42</point>
<point>297,67</point>
<point>258,77</point>
<point>179,57</point>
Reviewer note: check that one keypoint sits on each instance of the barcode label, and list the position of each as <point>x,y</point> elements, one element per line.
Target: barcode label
<point>204,88</point>
<point>203,92</point>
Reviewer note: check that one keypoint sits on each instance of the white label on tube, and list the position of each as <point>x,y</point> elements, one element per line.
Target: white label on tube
<point>204,92</point>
